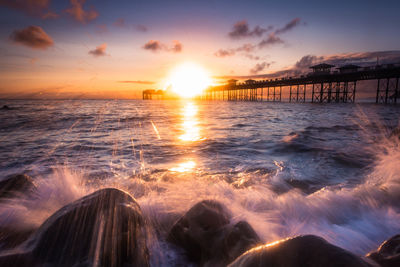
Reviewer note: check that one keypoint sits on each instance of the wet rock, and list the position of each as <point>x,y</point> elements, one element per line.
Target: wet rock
<point>15,185</point>
<point>208,237</point>
<point>308,250</point>
<point>388,254</point>
<point>238,239</point>
<point>11,237</point>
<point>105,228</point>
<point>5,107</point>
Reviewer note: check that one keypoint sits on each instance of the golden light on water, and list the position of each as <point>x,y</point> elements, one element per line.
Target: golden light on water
<point>190,127</point>
<point>188,80</point>
<point>184,166</point>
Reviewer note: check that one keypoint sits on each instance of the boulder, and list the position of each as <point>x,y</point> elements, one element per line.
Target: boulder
<point>14,185</point>
<point>388,254</point>
<point>308,250</point>
<point>105,228</point>
<point>208,237</point>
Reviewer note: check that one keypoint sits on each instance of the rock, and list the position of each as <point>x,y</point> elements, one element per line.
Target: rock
<point>388,254</point>
<point>11,237</point>
<point>105,228</point>
<point>11,187</point>
<point>305,250</point>
<point>5,107</point>
<point>240,238</point>
<point>208,238</point>
<point>15,185</point>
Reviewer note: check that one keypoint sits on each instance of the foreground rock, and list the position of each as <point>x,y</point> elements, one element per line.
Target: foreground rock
<point>309,250</point>
<point>388,254</point>
<point>15,185</point>
<point>5,107</point>
<point>208,238</point>
<point>105,228</point>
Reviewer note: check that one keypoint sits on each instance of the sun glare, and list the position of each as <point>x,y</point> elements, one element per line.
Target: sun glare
<point>188,80</point>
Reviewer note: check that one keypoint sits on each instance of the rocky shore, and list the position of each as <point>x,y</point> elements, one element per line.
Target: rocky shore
<point>107,228</point>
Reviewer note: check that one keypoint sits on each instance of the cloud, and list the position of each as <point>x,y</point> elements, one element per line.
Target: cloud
<point>50,15</point>
<point>33,36</point>
<point>141,28</point>
<point>259,67</point>
<point>101,28</point>
<point>241,29</point>
<point>36,8</point>
<point>120,22</point>
<point>302,66</point>
<point>246,48</point>
<point>30,7</point>
<point>224,52</point>
<point>99,51</point>
<point>253,57</point>
<point>137,82</point>
<point>232,51</point>
<point>360,58</point>
<point>155,46</point>
<point>270,40</point>
<point>78,13</point>
<point>292,24</point>
<point>364,58</point>
<point>176,47</point>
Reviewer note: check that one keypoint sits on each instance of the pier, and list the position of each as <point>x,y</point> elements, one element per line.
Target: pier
<point>322,85</point>
<point>153,94</point>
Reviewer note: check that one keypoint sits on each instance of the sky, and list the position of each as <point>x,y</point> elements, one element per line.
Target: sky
<point>116,49</point>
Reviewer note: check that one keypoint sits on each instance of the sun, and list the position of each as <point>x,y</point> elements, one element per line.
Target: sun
<point>188,80</point>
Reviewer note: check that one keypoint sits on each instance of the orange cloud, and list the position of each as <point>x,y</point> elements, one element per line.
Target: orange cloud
<point>177,47</point>
<point>99,51</point>
<point>33,36</point>
<point>77,12</point>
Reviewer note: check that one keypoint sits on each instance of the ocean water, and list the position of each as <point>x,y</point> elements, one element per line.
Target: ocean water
<point>332,170</point>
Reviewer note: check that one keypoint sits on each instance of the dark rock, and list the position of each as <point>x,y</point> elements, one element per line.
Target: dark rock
<point>208,238</point>
<point>105,228</point>
<point>5,107</point>
<point>11,237</point>
<point>15,185</point>
<point>307,251</point>
<point>238,239</point>
<point>388,254</point>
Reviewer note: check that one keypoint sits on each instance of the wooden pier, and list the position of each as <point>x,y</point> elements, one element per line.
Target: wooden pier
<point>153,94</point>
<point>325,86</point>
<point>322,85</point>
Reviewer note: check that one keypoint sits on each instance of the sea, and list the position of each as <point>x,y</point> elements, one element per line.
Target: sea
<point>331,170</point>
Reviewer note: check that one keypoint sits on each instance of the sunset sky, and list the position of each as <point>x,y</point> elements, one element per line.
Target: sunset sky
<point>115,49</point>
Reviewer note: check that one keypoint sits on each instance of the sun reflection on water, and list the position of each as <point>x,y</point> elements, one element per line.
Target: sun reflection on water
<point>184,166</point>
<point>190,124</point>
